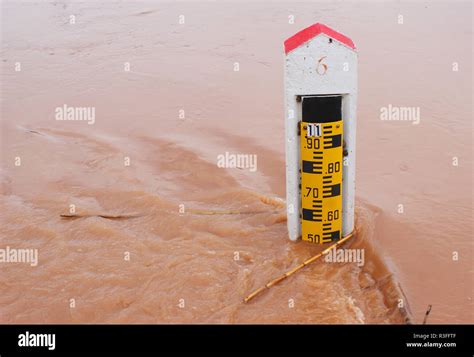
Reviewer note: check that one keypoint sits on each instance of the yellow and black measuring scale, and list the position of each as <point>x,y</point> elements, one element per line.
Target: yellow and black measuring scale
<point>321,152</point>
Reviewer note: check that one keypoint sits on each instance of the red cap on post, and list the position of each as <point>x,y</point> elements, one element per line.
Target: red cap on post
<point>312,31</point>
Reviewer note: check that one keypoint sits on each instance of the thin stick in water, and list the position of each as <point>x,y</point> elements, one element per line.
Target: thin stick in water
<point>295,269</point>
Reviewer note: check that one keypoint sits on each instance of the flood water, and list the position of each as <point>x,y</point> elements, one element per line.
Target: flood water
<point>160,233</point>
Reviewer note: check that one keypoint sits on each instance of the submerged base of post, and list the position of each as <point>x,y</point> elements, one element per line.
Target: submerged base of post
<point>297,268</point>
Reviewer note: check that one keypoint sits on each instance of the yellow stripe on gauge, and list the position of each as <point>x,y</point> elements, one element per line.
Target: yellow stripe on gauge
<point>321,181</point>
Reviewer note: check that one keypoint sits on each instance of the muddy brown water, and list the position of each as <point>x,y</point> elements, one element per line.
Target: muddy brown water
<point>157,241</point>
